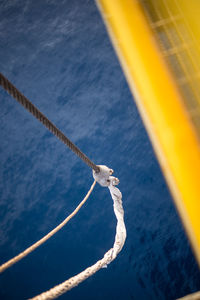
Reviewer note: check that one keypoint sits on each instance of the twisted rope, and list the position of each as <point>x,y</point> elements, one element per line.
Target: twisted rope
<point>67,285</point>
<point>15,259</point>
<point>108,257</point>
<point>15,93</point>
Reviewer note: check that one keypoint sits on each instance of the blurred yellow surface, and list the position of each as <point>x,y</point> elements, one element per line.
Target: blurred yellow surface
<point>153,42</point>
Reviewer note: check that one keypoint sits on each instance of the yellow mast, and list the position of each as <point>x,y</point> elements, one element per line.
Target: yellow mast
<point>152,71</point>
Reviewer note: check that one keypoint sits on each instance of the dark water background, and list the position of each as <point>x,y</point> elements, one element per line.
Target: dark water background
<point>59,55</point>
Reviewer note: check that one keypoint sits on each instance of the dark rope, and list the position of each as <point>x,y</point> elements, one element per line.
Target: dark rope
<point>13,91</point>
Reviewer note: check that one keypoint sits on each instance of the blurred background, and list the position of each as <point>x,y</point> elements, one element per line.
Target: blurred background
<point>60,56</point>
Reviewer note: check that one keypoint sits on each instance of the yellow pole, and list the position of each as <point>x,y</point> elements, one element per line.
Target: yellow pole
<point>161,107</point>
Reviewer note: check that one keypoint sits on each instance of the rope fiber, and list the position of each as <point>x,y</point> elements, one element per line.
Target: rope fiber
<point>15,93</point>
<point>109,256</point>
<point>101,174</point>
<point>30,249</point>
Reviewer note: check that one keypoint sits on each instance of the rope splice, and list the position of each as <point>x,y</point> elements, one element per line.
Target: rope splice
<point>104,179</point>
<point>101,174</point>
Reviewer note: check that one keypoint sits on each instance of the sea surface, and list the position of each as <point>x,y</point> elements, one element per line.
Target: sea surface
<point>59,55</point>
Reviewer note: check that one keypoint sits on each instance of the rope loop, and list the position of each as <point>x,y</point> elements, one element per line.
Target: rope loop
<point>111,254</point>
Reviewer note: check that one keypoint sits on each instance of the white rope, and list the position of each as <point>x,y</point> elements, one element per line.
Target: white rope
<point>12,261</point>
<point>104,178</point>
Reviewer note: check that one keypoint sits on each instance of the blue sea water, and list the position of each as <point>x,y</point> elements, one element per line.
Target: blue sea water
<point>59,55</point>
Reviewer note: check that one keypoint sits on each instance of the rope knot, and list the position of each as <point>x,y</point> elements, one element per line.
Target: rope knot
<point>103,176</point>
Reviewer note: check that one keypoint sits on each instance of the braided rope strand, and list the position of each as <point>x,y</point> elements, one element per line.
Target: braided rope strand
<point>67,285</point>
<point>15,93</point>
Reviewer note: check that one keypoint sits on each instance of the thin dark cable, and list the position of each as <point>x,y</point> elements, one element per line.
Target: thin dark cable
<point>13,91</point>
